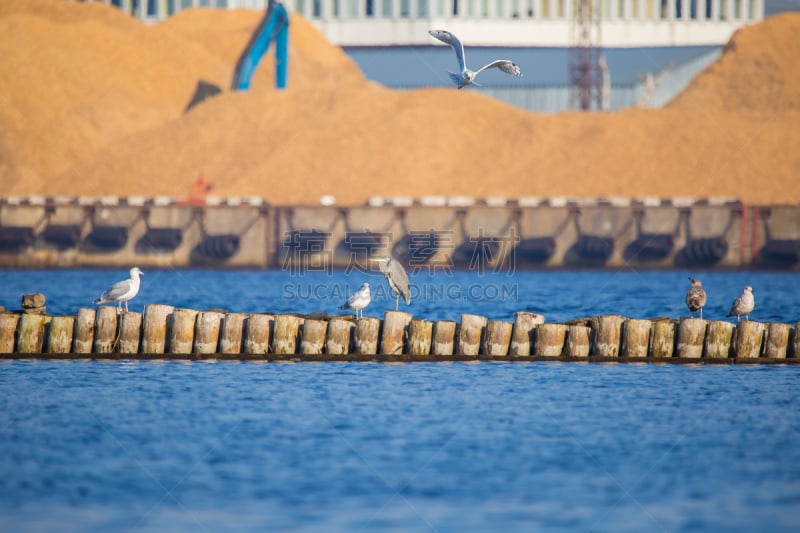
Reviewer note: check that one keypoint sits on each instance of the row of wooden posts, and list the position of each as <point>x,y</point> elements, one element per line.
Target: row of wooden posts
<point>163,329</point>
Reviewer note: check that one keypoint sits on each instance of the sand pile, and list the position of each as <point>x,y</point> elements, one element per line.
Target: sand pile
<point>334,133</point>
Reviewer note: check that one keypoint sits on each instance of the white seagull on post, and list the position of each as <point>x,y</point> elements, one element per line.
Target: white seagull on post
<point>122,291</point>
<point>743,305</point>
<point>467,76</point>
<point>358,300</point>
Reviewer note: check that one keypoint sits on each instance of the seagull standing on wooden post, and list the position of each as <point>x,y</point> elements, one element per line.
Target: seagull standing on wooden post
<point>122,291</point>
<point>696,296</point>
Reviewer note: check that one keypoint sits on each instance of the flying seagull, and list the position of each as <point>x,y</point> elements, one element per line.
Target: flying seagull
<point>397,277</point>
<point>696,296</point>
<point>358,300</point>
<point>122,291</point>
<point>743,305</point>
<point>467,77</point>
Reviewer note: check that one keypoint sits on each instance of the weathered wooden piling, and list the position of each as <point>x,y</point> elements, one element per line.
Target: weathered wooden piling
<point>105,329</point>
<point>230,336</point>
<point>8,331</point>
<point>607,333</point>
<point>130,332</point>
<point>498,338</point>
<point>521,333</point>
<point>313,336</point>
<point>367,335</point>
<point>59,338</point>
<point>181,330</point>
<point>30,333</point>
<point>443,337</point>
<point>550,339</point>
<point>748,339</point>
<point>691,334</point>
<point>662,338</point>
<point>718,339</point>
<point>206,333</point>
<point>795,351</point>
<point>154,327</point>
<point>287,330</point>
<point>420,334</point>
<point>470,333</point>
<point>258,333</point>
<point>83,339</point>
<point>395,324</point>
<point>579,341</point>
<point>777,343</point>
<point>635,338</point>
<point>340,336</point>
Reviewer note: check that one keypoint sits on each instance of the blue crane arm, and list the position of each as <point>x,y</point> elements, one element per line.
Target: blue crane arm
<point>273,27</point>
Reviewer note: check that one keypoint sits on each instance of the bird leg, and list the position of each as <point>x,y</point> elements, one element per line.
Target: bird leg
<point>396,302</point>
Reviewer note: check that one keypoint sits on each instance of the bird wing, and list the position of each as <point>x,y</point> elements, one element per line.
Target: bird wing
<point>358,298</point>
<point>509,67</point>
<point>448,38</point>
<point>738,303</point>
<point>398,280</point>
<point>117,290</point>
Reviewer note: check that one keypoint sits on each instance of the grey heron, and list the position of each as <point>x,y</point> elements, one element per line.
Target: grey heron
<point>696,296</point>
<point>122,291</point>
<point>743,305</point>
<point>397,277</point>
<point>467,76</point>
<point>358,300</point>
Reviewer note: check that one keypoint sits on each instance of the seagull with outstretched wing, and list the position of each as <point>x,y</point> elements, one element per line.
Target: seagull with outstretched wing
<point>467,76</point>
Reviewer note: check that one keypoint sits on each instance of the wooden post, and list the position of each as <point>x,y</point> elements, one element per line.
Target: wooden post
<point>105,329</point>
<point>339,338</point>
<point>230,337</point>
<point>635,338</point>
<point>30,333</point>
<point>578,343</point>
<point>795,351</point>
<point>662,339</point>
<point>718,339</point>
<point>258,333</point>
<point>287,329</point>
<point>59,338</point>
<point>83,339</point>
<point>748,339</point>
<point>314,332</point>
<point>550,338</point>
<point>777,340</point>
<point>130,332</point>
<point>522,333</point>
<point>206,332</point>
<point>691,335</point>
<point>607,332</point>
<point>470,333</point>
<point>419,337</point>
<point>498,338</point>
<point>394,332</point>
<point>367,334</point>
<point>154,328</point>
<point>8,331</point>
<point>444,332</point>
<point>181,331</point>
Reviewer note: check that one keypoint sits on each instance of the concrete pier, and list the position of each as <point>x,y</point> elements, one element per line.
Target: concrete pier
<point>496,235</point>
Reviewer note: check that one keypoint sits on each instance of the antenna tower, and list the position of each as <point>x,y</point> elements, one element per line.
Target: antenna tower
<point>585,74</point>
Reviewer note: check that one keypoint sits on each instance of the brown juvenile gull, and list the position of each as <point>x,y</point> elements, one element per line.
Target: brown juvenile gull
<point>696,296</point>
<point>743,305</point>
<point>122,291</point>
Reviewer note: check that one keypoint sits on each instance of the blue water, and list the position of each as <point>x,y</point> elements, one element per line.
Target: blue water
<point>145,446</point>
<point>148,446</point>
<point>557,295</point>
